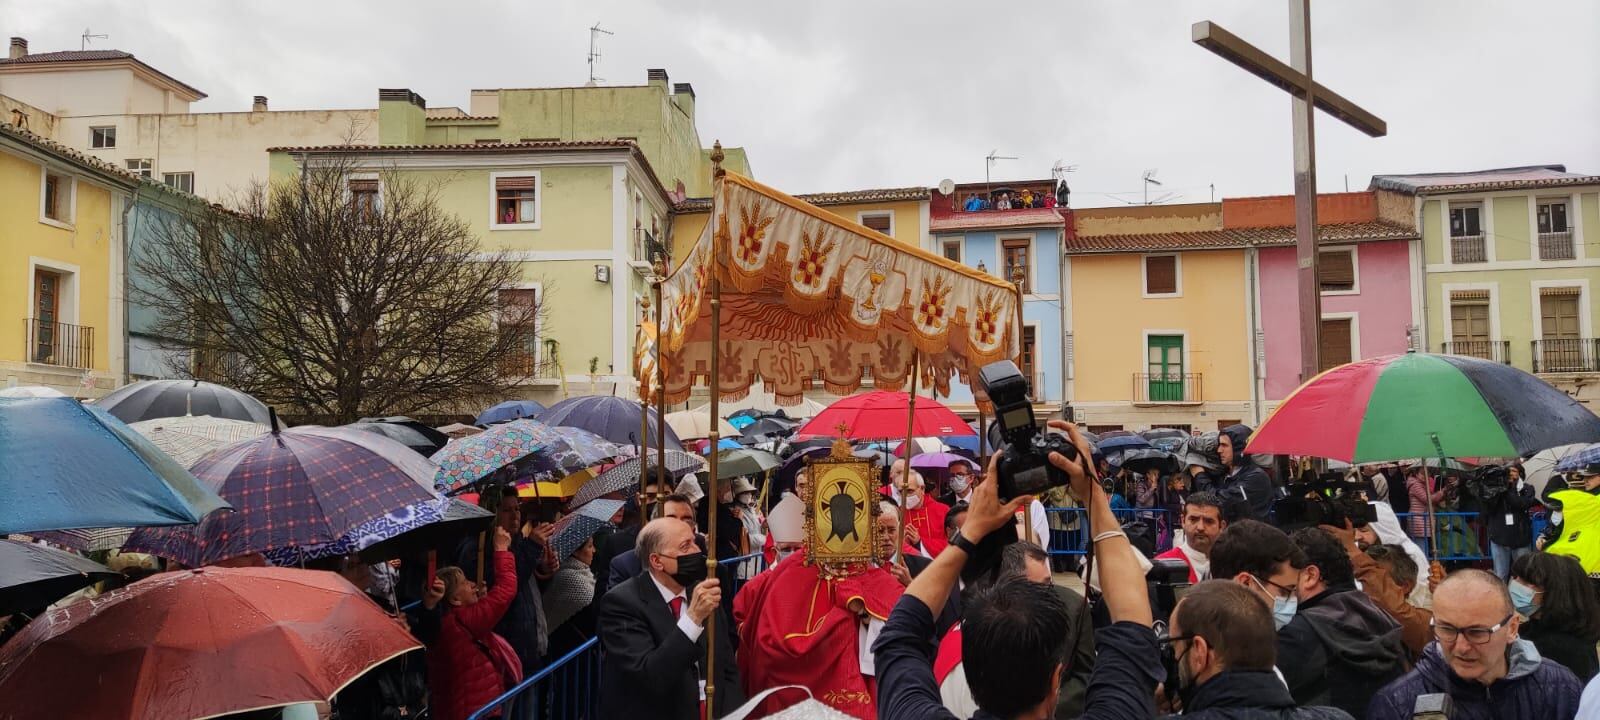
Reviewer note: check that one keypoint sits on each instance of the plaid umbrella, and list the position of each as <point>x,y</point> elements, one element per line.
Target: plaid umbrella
<point>1578,460</point>
<point>299,487</point>
<point>192,437</point>
<point>625,475</point>
<point>470,459</point>
<point>87,540</point>
<point>571,531</point>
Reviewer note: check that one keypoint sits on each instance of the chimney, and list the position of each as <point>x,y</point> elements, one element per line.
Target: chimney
<point>19,47</point>
<point>658,78</point>
<point>260,104</point>
<point>402,117</point>
<point>683,94</point>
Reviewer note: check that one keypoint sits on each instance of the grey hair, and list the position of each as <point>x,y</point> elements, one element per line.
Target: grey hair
<point>653,536</point>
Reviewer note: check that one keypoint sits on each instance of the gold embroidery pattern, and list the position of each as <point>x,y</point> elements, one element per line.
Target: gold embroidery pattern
<point>814,253</point>
<point>930,311</point>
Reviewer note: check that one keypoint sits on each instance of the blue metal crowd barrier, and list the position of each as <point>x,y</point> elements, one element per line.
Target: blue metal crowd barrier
<point>1069,527</point>
<point>1460,535</point>
<point>567,689</point>
<point>744,568</point>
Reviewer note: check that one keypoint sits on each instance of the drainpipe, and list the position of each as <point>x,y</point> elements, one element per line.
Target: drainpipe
<point>1063,286</point>
<point>1252,266</point>
<point>127,241</point>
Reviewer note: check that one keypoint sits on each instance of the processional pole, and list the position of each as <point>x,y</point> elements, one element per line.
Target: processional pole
<point>644,419</point>
<point>718,182</point>
<point>659,267</point>
<point>911,449</point>
<point>1018,278</point>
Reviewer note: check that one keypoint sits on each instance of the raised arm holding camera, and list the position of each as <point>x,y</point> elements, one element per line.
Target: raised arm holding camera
<point>1016,642</point>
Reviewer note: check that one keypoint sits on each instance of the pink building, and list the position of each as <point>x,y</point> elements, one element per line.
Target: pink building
<point>1368,272</point>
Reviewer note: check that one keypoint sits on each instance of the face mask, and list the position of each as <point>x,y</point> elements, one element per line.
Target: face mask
<point>747,499</point>
<point>783,554</point>
<point>1186,686</point>
<point>1283,608</point>
<point>913,502</point>
<point>1522,599</point>
<point>960,483</point>
<point>691,569</point>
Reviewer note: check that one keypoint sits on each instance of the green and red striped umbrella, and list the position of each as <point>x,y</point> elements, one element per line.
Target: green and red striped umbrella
<point>1397,407</point>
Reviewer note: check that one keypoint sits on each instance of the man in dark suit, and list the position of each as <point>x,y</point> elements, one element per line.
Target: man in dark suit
<point>627,565</point>
<point>652,632</point>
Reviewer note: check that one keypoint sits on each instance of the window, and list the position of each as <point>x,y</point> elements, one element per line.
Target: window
<point>1161,276</point>
<point>179,181</point>
<point>1028,360</point>
<point>1336,270</point>
<point>1466,234</point>
<point>1555,238</point>
<point>1337,343</point>
<point>364,196</point>
<point>1470,324</point>
<point>882,222</point>
<point>56,197</point>
<point>46,315</point>
<point>516,200</point>
<point>1017,254</point>
<point>1164,368</point>
<point>101,138</point>
<point>952,250</point>
<point>1560,346</point>
<point>517,320</point>
<point>143,167</point>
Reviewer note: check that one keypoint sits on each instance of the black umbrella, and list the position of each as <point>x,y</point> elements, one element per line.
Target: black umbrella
<point>407,432</point>
<point>765,427</point>
<point>152,399</point>
<point>33,576</point>
<point>1143,459</point>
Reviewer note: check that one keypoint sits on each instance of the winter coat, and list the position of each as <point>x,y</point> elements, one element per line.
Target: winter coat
<point>1559,644</point>
<point>1341,649</point>
<point>1533,688</point>
<point>1250,695</point>
<point>1512,503</point>
<point>1417,492</point>
<point>461,675</point>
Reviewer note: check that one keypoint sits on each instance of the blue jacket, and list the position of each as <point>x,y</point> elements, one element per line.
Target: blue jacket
<point>1532,688</point>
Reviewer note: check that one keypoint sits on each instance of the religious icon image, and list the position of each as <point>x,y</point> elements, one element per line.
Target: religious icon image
<point>840,510</point>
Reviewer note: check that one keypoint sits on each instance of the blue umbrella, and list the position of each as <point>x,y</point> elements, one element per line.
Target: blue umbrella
<point>740,422</point>
<point>722,444</point>
<point>610,417</point>
<point>509,410</point>
<point>64,465</point>
<point>1580,459</point>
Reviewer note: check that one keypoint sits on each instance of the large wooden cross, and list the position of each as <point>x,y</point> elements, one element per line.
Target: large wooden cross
<point>1297,81</point>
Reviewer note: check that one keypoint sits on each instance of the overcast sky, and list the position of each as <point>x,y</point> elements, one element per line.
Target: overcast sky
<point>844,95</point>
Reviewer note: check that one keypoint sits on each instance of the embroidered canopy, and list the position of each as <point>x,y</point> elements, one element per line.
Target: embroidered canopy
<point>810,298</point>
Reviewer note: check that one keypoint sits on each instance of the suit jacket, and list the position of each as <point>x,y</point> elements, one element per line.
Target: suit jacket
<point>650,668</point>
<point>623,567</point>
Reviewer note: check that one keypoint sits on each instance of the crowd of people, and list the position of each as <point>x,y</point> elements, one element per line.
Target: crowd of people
<point>1007,199</point>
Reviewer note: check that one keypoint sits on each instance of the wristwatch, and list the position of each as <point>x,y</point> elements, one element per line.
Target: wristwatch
<point>967,546</point>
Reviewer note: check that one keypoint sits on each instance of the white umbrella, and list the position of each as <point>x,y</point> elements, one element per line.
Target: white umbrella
<point>1543,464</point>
<point>31,391</point>
<point>191,437</point>
<point>766,402</point>
<point>696,424</point>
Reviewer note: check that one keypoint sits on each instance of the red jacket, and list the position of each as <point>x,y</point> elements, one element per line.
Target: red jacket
<point>461,676</point>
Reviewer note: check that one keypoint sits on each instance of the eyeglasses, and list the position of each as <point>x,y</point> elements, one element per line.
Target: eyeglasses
<point>1283,590</point>
<point>1476,635</point>
<point>1167,642</point>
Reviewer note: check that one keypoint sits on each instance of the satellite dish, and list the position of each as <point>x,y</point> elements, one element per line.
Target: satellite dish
<point>947,186</point>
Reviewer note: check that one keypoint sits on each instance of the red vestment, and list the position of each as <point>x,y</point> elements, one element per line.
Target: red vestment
<point>795,628</point>
<point>929,522</point>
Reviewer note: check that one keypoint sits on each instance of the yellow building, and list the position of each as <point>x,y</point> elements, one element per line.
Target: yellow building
<point>61,259</point>
<point>900,213</point>
<point>1160,335</point>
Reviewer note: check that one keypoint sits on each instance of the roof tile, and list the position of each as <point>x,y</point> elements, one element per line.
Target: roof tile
<point>1237,238</point>
<point>70,56</point>
<point>905,194</point>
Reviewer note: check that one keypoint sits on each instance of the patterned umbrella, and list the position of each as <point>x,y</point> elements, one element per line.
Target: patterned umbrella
<point>571,531</point>
<point>87,540</point>
<point>192,437</point>
<point>390,535</point>
<point>151,399</point>
<point>564,451</point>
<point>610,417</point>
<point>468,460</point>
<point>625,475</point>
<point>299,487</point>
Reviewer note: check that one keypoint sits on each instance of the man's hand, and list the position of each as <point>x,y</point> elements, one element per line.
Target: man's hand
<point>1082,481</point>
<point>985,514</point>
<point>1435,575</point>
<point>707,596</point>
<point>432,594</point>
<point>899,572</point>
<point>502,540</point>
<point>913,537</point>
<point>1346,534</point>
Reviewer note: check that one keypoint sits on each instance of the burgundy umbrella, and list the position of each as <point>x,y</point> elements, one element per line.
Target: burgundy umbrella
<point>289,488</point>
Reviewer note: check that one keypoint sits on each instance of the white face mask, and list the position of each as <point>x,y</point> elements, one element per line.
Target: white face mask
<point>913,502</point>
<point>960,483</point>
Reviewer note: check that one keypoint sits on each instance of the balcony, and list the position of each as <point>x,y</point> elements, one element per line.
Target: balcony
<point>1167,389</point>
<point>1555,246</point>
<point>1566,355</point>
<point>1468,249</point>
<point>54,343</point>
<point>526,366</point>
<point>1496,350</point>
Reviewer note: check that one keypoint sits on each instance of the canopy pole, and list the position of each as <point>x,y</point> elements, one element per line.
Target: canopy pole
<point>659,267</point>
<point>1018,277</point>
<point>644,420</point>
<point>1427,486</point>
<point>911,449</point>
<point>717,187</point>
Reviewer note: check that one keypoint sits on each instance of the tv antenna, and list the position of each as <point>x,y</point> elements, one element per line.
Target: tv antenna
<point>988,165</point>
<point>1150,179</point>
<point>83,43</point>
<point>594,51</point>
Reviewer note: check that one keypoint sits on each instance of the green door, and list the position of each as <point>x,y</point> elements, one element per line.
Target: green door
<point>1165,353</point>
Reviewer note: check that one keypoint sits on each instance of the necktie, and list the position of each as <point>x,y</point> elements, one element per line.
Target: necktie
<point>676,604</point>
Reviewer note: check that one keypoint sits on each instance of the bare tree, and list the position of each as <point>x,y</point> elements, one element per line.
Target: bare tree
<point>322,297</point>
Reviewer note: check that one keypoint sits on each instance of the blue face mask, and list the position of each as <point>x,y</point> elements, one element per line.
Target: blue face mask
<point>1522,599</point>
<point>1283,608</point>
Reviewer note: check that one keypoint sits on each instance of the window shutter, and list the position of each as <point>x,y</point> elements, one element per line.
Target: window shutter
<point>1559,291</point>
<point>1337,270</point>
<point>513,183</point>
<point>1161,274</point>
<point>1335,346</point>
<point>1469,296</point>
<point>363,186</point>
<point>877,222</point>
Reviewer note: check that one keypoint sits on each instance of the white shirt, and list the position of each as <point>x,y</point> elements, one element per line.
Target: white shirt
<point>685,623</point>
<point>1589,704</point>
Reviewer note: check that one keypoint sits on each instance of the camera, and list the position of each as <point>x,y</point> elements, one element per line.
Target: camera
<point>1489,483</point>
<point>1024,465</point>
<point>1327,499</point>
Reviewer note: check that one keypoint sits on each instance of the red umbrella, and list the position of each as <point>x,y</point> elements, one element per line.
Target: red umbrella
<point>882,414</point>
<point>197,644</point>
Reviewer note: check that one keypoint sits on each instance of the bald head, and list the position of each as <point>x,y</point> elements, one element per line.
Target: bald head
<point>1475,601</point>
<point>1473,582</point>
<point>661,535</point>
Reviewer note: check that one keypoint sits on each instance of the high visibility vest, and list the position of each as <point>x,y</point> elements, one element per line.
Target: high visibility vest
<point>1580,530</point>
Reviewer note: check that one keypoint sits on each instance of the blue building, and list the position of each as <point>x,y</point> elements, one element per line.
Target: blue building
<point>996,239</point>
